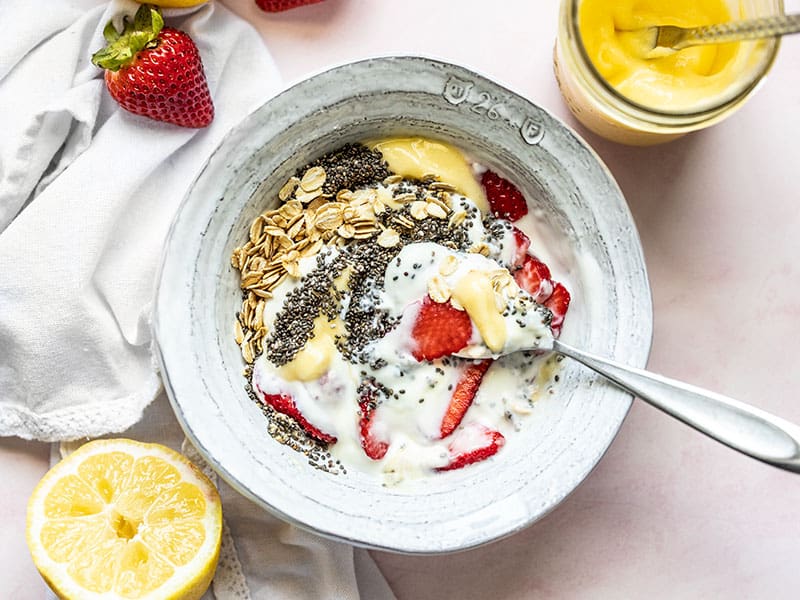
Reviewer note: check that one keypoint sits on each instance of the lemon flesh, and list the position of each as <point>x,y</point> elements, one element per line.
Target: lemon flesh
<point>123,519</point>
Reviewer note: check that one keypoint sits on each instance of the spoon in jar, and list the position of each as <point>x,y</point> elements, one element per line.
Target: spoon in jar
<point>662,40</point>
<point>745,428</point>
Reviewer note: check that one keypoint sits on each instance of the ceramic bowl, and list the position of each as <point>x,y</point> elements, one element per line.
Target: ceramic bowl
<point>586,225</point>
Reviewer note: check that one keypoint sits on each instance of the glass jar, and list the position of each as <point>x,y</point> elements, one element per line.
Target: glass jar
<point>604,110</point>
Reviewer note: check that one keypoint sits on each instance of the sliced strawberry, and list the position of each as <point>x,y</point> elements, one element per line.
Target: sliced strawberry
<point>534,277</point>
<point>523,242</point>
<point>505,200</point>
<point>472,444</point>
<point>284,403</point>
<point>463,395</point>
<point>558,303</point>
<point>373,447</point>
<point>440,330</point>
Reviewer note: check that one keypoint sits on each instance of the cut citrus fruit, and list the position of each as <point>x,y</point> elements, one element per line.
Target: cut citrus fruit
<point>124,519</point>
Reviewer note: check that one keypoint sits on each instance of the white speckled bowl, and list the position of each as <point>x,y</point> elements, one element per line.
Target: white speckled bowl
<point>580,205</point>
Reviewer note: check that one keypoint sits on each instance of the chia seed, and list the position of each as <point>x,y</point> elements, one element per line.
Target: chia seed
<point>363,322</point>
<point>294,323</point>
<point>350,167</point>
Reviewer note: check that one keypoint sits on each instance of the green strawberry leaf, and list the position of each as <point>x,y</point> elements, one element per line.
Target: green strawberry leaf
<point>142,21</point>
<point>110,33</point>
<point>136,35</point>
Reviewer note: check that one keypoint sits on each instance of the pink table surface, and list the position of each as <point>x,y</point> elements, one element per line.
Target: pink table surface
<point>667,513</point>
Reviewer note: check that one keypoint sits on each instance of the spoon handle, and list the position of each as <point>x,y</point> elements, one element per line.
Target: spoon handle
<point>740,426</point>
<point>733,31</point>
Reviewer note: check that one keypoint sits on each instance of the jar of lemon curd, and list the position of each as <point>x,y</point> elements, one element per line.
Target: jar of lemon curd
<point>617,93</point>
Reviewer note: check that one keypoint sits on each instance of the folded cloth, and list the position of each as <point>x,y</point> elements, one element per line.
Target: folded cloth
<point>87,195</point>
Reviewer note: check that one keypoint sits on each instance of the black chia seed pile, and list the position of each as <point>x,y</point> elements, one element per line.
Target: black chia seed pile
<point>294,324</point>
<point>352,167</point>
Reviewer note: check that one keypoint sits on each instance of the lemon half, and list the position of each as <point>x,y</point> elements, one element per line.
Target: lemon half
<point>124,519</point>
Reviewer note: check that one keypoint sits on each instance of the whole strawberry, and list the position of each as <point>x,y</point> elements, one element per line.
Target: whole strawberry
<point>281,5</point>
<point>155,71</point>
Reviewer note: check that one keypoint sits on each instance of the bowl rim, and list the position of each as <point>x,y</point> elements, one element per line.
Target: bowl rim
<point>644,303</point>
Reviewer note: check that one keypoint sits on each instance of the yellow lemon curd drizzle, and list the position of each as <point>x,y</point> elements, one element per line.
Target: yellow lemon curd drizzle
<point>314,359</point>
<point>416,157</point>
<point>689,80</point>
<point>474,292</point>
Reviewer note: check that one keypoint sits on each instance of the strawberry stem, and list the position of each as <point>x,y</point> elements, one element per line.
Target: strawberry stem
<point>135,36</point>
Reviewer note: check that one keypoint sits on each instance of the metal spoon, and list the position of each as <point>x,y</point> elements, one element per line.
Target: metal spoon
<point>749,430</point>
<point>661,40</point>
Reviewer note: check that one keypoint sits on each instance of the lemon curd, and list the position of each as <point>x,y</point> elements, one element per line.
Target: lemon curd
<point>623,93</point>
<point>416,158</point>
<point>315,358</point>
<point>687,80</point>
<point>474,292</point>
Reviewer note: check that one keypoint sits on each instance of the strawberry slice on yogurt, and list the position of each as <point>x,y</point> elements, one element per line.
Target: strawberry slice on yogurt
<point>558,303</point>
<point>439,330</point>
<point>284,403</point>
<point>315,405</point>
<point>522,244</point>
<point>533,276</point>
<point>373,444</point>
<point>472,443</point>
<point>463,395</point>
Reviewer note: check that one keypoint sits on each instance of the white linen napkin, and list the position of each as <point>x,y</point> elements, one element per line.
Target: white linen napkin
<point>87,195</point>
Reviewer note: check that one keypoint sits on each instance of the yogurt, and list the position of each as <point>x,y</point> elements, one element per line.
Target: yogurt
<point>383,294</point>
